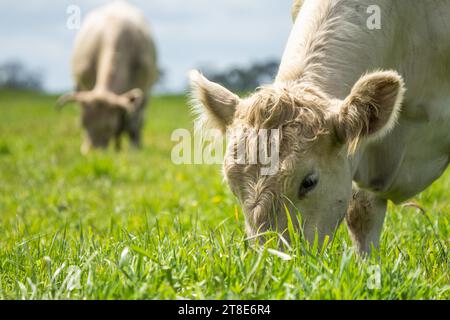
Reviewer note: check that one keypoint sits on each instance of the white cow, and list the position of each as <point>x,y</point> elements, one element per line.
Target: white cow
<point>114,66</point>
<point>352,137</point>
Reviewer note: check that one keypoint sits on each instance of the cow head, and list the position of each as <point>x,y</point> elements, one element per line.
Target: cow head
<point>317,135</point>
<point>102,113</point>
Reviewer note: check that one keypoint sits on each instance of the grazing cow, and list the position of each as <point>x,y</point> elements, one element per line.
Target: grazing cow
<point>351,137</point>
<point>114,66</point>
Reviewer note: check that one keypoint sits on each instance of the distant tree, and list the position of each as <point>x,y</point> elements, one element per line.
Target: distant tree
<point>160,84</point>
<point>244,78</point>
<point>14,75</point>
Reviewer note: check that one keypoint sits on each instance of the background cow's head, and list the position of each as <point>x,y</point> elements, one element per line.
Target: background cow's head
<point>102,113</point>
<point>317,134</point>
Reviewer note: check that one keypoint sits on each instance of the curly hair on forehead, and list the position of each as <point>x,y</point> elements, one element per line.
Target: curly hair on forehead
<point>290,104</point>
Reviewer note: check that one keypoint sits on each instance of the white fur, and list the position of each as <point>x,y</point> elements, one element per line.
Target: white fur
<point>331,47</point>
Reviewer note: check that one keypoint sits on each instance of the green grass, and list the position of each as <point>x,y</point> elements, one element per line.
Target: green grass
<point>132,225</point>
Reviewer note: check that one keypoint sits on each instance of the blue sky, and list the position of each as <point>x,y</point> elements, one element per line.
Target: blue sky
<point>188,33</point>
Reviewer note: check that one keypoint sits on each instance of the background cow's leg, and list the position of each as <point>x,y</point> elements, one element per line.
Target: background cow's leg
<point>118,142</point>
<point>135,128</point>
<point>85,146</point>
<point>135,137</point>
<point>365,217</point>
<point>120,129</point>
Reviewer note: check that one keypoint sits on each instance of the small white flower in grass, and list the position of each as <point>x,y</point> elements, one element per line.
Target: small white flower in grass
<point>279,254</point>
<point>57,272</point>
<point>123,257</point>
<point>73,278</point>
<point>47,263</point>
<point>23,290</point>
<point>89,278</point>
<point>47,260</point>
<point>33,288</point>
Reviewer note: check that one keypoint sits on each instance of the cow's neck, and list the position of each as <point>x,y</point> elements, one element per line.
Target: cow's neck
<point>331,46</point>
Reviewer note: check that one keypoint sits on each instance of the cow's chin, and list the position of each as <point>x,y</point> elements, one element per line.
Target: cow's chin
<point>318,225</point>
<point>271,225</point>
<point>99,143</point>
<point>103,144</point>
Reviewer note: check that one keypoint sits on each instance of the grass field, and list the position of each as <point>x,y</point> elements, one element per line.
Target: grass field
<point>132,225</point>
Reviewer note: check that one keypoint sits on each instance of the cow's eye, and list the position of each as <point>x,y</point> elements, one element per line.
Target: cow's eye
<point>308,184</point>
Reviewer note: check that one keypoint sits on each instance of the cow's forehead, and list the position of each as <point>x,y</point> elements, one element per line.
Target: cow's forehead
<point>291,139</point>
<point>273,106</point>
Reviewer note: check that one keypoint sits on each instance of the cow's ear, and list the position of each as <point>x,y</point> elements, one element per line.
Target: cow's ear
<point>371,109</point>
<point>214,104</point>
<point>80,97</point>
<point>131,100</point>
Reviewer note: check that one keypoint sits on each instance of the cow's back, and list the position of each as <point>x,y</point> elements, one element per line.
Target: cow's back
<point>417,151</point>
<point>114,39</point>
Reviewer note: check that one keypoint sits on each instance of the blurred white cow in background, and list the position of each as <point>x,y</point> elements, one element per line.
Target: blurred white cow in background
<point>114,67</point>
